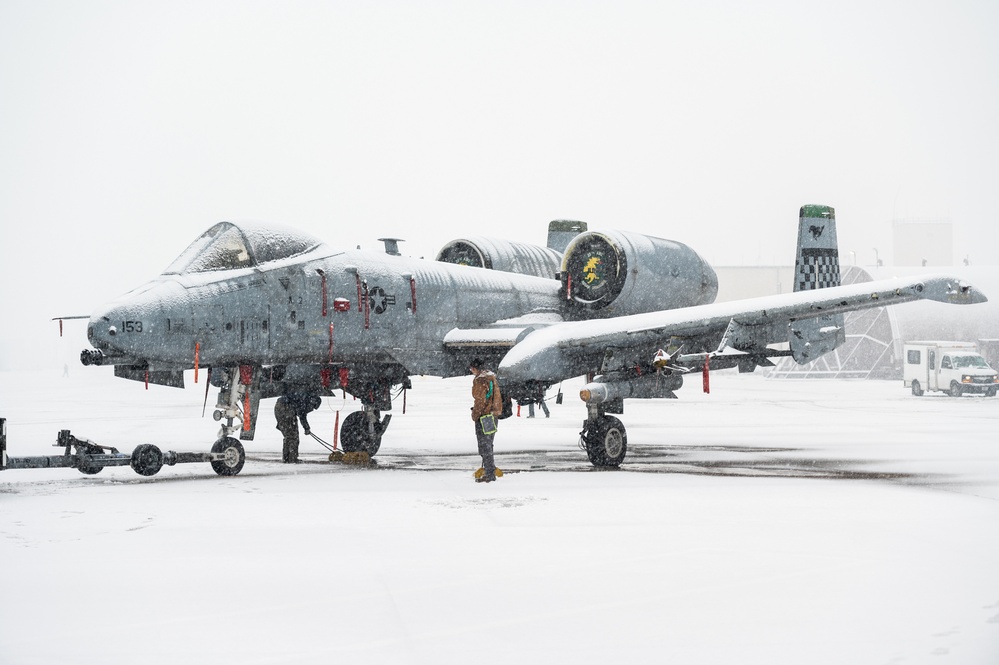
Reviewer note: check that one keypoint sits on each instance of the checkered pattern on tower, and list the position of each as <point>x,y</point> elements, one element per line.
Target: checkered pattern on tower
<point>818,269</point>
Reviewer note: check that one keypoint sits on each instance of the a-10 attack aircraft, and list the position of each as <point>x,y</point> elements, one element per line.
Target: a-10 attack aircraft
<point>271,311</point>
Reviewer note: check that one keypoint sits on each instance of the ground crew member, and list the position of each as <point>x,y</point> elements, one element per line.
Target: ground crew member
<point>287,409</point>
<point>486,400</point>
<point>539,399</point>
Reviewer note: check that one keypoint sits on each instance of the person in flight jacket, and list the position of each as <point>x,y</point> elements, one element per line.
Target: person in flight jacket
<point>487,400</point>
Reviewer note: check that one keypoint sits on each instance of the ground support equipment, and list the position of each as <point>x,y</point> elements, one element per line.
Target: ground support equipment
<point>227,456</point>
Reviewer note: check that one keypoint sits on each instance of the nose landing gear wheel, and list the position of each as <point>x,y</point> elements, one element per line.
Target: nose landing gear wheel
<point>233,456</point>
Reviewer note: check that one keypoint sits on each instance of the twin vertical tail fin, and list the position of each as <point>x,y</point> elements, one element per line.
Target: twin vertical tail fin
<point>816,266</point>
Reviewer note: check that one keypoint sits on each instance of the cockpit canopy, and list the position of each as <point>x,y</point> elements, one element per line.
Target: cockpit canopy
<point>227,246</point>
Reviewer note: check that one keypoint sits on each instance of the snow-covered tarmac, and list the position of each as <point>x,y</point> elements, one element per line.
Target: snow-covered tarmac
<point>768,522</point>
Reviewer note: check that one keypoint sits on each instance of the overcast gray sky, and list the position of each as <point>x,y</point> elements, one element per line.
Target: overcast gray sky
<point>128,128</point>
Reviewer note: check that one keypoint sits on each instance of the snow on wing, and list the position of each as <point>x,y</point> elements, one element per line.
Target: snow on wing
<point>570,349</point>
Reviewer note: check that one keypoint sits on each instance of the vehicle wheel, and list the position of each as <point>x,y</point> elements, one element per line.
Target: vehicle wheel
<point>147,459</point>
<point>917,389</point>
<point>86,467</point>
<point>955,389</point>
<point>990,392</point>
<point>606,442</point>
<point>89,469</point>
<point>233,456</point>
<point>355,437</point>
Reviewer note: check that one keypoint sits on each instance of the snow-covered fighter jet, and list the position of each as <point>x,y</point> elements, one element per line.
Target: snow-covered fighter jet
<point>270,311</point>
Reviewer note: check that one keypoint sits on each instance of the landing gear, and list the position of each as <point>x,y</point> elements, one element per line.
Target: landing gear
<point>605,440</point>
<point>232,456</point>
<point>362,431</point>
<point>235,406</point>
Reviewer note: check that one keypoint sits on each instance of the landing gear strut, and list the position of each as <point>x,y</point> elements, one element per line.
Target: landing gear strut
<point>604,439</point>
<point>240,413</point>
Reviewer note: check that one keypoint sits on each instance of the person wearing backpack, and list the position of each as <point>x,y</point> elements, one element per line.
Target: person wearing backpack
<point>487,407</point>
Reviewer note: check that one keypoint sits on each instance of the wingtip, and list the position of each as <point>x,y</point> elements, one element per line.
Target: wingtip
<point>951,290</point>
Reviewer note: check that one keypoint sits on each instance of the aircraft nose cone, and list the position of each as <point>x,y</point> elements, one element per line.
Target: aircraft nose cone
<point>126,314</point>
<point>101,331</point>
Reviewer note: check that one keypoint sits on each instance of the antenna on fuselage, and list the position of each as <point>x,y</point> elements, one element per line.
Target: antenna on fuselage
<point>392,245</point>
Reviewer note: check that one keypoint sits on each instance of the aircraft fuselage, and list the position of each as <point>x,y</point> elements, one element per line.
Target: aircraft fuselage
<point>342,308</point>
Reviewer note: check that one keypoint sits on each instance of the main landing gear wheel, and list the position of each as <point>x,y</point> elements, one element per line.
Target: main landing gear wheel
<point>354,434</point>
<point>917,389</point>
<point>233,456</point>
<point>606,441</point>
<point>147,460</point>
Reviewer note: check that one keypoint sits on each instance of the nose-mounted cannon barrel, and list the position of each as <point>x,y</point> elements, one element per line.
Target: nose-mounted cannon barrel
<point>97,358</point>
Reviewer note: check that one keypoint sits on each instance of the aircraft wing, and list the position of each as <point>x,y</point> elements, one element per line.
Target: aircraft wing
<point>570,349</point>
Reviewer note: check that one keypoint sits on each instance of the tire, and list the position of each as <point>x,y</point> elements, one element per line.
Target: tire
<point>355,437</point>
<point>917,389</point>
<point>606,442</point>
<point>234,458</point>
<point>955,389</point>
<point>86,467</point>
<point>990,392</point>
<point>147,459</point>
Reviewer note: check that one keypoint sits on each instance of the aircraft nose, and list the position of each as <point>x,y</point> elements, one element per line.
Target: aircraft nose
<point>126,314</point>
<point>101,332</point>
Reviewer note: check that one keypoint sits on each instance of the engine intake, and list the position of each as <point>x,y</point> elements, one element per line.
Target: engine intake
<point>620,273</point>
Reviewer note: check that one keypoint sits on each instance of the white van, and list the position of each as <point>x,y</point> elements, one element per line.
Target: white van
<point>953,367</point>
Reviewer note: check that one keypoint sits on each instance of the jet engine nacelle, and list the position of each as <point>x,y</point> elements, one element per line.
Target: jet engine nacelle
<point>617,273</point>
<point>503,255</point>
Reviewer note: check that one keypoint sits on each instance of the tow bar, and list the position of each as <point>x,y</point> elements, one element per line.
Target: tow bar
<point>227,456</point>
